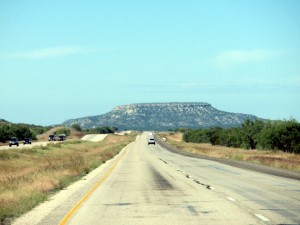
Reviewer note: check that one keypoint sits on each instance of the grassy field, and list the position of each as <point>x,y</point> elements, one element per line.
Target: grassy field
<point>29,176</point>
<point>268,158</point>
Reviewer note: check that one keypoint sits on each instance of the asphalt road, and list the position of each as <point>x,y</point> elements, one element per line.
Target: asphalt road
<point>90,137</point>
<point>150,185</point>
<point>40,143</point>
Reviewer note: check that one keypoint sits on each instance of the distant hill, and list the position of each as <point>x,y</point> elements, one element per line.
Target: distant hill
<point>163,116</point>
<point>2,121</point>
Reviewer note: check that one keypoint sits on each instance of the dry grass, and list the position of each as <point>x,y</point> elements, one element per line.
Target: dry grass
<point>28,176</point>
<point>269,158</point>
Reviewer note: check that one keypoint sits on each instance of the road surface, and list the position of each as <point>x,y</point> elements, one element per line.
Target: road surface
<point>94,137</point>
<point>89,137</point>
<point>150,185</point>
<point>40,143</point>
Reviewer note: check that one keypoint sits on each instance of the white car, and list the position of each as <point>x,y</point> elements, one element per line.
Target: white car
<point>151,141</point>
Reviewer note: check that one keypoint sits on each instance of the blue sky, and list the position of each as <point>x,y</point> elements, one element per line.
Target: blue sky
<point>67,59</point>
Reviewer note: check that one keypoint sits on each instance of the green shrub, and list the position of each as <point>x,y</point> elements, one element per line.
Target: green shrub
<point>15,130</point>
<point>64,130</point>
<point>77,127</point>
<point>256,134</point>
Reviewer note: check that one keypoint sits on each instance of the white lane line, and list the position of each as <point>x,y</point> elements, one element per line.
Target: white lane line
<point>231,199</point>
<point>262,217</point>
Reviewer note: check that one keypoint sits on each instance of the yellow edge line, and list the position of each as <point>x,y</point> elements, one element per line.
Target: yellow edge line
<point>72,211</point>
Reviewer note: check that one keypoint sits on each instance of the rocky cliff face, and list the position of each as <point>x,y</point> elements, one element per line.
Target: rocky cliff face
<point>163,116</point>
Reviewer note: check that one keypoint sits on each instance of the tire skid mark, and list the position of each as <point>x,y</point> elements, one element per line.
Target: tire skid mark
<point>161,182</point>
<point>189,176</point>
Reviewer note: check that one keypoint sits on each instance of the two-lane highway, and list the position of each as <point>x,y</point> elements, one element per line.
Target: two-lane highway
<point>149,185</point>
<point>144,190</point>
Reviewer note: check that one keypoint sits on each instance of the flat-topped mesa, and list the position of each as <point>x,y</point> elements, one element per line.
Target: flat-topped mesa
<point>163,116</point>
<point>169,104</point>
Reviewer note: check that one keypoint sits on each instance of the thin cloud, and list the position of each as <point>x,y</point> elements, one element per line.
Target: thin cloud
<point>224,86</point>
<point>48,53</point>
<point>237,57</point>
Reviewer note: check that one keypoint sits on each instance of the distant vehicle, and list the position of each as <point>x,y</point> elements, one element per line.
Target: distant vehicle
<point>27,141</point>
<point>13,141</point>
<point>61,137</point>
<point>51,137</point>
<point>151,141</point>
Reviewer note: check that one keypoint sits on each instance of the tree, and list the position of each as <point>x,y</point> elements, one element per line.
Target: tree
<point>250,130</point>
<point>214,135</point>
<point>281,135</point>
<point>196,136</point>
<point>236,138</point>
<point>270,135</point>
<point>187,136</point>
<point>22,132</point>
<point>19,131</point>
<point>77,127</point>
<point>104,130</point>
<point>5,133</point>
<point>64,130</point>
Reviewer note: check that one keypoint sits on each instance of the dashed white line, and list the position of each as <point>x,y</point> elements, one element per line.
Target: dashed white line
<point>262,217</point>
<point>231,199</point>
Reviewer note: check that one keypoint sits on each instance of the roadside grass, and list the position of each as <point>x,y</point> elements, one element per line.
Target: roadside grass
<point>29,176</point>
<point>276,159</point>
